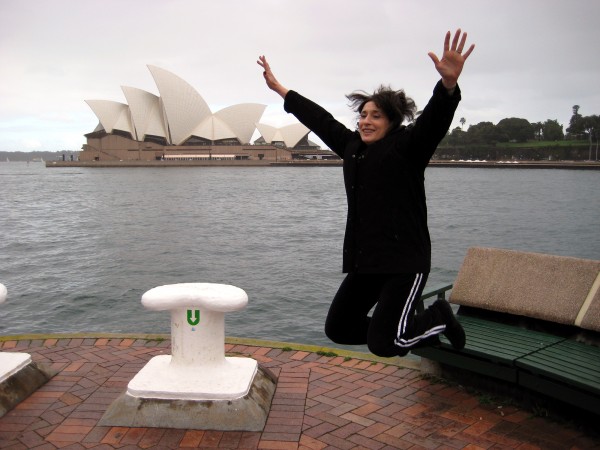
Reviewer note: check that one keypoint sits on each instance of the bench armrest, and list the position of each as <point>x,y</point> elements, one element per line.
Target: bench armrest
<point>439,292</point>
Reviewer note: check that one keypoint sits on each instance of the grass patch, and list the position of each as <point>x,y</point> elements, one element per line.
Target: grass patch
<point>534,144</point>
<point>324,353</point>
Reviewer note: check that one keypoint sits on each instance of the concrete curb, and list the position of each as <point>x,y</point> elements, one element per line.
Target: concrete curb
<point>324,351</point>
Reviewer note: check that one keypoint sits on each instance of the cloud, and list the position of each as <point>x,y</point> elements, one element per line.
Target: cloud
<point>534,58</point>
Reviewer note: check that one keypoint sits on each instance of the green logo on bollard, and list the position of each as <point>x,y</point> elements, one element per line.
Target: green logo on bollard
<point>193,320</point>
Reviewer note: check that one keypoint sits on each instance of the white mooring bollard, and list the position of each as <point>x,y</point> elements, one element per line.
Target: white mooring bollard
<point>197,386</point>
<point>197,369</point>
<point>11,363</point>
<point>19,375</point>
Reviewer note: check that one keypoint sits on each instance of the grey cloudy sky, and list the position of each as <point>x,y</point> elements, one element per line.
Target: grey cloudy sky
<point>534,58</point>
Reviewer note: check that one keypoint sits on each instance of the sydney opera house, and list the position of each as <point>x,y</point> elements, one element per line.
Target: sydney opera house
<point>179,125</point>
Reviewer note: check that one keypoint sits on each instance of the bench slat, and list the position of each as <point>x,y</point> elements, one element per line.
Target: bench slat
<point>568,359</point>
<point>569,362</point>
<point>491,349</point>
<point>501,342</point>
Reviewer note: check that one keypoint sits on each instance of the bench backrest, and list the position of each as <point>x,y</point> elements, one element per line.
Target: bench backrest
<point>559,289</point>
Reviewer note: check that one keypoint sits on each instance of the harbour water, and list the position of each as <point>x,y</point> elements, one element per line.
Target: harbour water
<point>80,246</point>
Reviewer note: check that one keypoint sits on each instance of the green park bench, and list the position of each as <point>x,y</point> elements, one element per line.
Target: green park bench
<point>532,321</point>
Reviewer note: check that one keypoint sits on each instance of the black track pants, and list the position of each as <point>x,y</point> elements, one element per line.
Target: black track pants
<point>394,328</point>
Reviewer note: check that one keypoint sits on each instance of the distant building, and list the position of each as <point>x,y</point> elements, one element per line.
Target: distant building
<point>179,125</point>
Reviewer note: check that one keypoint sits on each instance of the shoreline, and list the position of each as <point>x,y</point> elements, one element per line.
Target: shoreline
<point>574,165</point>
<point>332,352</point>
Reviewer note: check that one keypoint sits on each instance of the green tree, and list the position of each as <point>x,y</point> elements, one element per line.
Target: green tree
<point>485,133</point>
<point>591,127</point>
<point>552,130</point>
<point>575,124</point>
<point>462,122</point>
<point>516,129</point>
<point>456,137</point>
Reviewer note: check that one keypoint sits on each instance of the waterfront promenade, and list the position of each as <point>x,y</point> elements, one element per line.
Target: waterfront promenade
<point>574,165</point>
<point>322,401</point>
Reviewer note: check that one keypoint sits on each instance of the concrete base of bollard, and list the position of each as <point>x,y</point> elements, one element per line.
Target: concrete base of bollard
<point>247,413</point>
<point>19,378</point>
<point>159,378</point>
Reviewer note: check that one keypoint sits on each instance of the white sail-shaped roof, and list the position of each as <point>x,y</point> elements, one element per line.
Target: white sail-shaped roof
<point>242,118</point>
<point>112,115</point>
<point>184,107</point>
<point>180,113</point>
<point>290,134</point>
<point>146,113</point>
<point>213,128</point>
<point>269,133</point>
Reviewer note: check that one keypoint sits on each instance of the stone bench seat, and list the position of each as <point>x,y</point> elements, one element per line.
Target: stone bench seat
<point>557,289</point>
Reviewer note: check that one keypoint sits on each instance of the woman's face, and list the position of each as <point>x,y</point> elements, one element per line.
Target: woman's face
<point>373,123</point>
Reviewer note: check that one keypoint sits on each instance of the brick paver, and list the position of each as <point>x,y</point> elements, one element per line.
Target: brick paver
<point>321,402</point>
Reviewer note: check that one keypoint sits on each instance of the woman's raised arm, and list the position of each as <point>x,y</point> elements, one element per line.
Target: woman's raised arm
<point>272,82</point>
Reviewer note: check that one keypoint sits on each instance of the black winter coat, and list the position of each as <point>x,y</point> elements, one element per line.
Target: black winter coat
<point>386,227</point>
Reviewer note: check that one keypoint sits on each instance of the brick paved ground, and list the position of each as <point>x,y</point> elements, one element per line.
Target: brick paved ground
<point>320,403</point>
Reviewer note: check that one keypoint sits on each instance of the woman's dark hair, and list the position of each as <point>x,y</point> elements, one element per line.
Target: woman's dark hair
<point>395,104</point>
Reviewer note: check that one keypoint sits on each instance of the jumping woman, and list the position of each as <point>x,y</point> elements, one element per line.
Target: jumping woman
<point>387,248</point>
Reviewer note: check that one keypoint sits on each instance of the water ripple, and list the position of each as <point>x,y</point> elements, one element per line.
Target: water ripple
<point>79,247</point>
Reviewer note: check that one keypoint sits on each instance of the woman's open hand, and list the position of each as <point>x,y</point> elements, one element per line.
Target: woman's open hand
<point>272,82</point>
<point>453,58</point>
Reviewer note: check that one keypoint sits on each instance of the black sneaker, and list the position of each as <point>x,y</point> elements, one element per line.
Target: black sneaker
<point>454,330</point>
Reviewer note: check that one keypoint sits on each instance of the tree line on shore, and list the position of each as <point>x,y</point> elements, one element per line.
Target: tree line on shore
<point>517,138</point>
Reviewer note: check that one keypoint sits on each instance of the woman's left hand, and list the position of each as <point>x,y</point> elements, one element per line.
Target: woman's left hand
<point>453,59</point>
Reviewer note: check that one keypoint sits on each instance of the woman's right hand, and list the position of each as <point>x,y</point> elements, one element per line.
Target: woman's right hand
<point>272,82</point>
<point>453,58</point>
